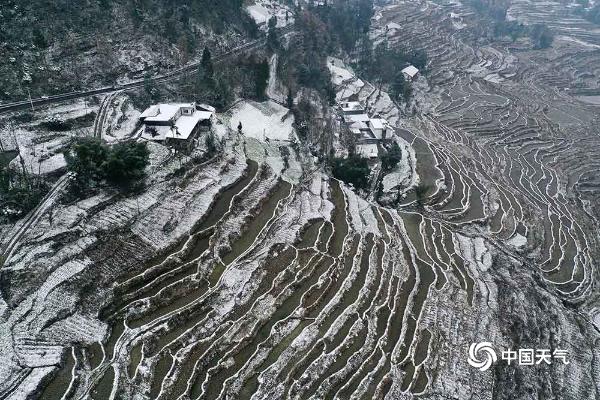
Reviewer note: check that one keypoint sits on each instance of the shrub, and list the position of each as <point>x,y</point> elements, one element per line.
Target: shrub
<point>541,36</point>
<point>126,163</point>
<point>56,125</point>
<point>391,158</point>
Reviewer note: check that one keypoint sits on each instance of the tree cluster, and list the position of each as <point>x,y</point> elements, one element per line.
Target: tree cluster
<point>352,170</point>
<point>391,158</point>
<point>20,192</point>
<point>347,21</point>
<point>247,74</point>
<point>253,73</point>
<point>93,162</point>
<point>210,86</point>
<point>303,62</point>
<point>46,22</point>
<point>541,36</point>
<point>384,65</point>
<point>496,11</point>
<point>329,28</point>
<point>593,15</point>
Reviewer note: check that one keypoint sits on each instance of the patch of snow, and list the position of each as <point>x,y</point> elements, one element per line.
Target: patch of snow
<point>263,121</point>
<point>519,241</point>
<point>578,41</point>
<point>123,120</point>
<point>38,156</point>
<point>259,14</point>
<point>262,11</point>
<point>475,252</point>
<point>28,385</point>
<point>339,74</point>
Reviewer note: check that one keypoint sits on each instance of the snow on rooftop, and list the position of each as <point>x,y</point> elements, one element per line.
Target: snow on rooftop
<point>411,71</point>
<point>206,107</point>
<point>183,126</point>
<point>357,118</point>
<point>358,125</point>
<point>150,112</point>
<point>378,123</point>
<point>163,112</point>
<point>259,14</point>
<point>350,106</point>
<point>264,10</point>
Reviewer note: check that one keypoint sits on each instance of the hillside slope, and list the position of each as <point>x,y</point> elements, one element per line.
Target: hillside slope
<point>60,46</point>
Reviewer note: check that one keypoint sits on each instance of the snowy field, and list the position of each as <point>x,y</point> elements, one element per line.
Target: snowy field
<point>263,121</point>
<point>339,74</point>
<point>41,148</point>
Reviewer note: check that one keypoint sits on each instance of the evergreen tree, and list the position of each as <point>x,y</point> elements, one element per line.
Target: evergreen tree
<point>354,170</point>
<point>150,87</point>
<point>125,164</point>
<point>39,40</point>
<point>272,39</point>
<point>541,36</point>
<point>261,78</point>
<point>222,93</point>
<point>400,88</point>
<point>86,159</point>
<point>289,101</point>
<point>94,162</point>
<point>207,64</point>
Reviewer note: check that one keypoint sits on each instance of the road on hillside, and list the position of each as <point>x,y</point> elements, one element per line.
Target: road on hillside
<point>25,104</point>
<point>101,117</point>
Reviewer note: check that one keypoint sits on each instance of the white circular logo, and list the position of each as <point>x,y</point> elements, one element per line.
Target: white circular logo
<point>487,353</point>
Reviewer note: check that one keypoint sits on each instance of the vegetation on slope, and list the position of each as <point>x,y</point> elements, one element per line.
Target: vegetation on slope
<point>384,65</point>
<point>592,13</point>
<point>93,162</point>
<point>246,76</point>
<point>541,37</point>
<point>55,46</point>
<point>19,191</point>
<point>353,170</point>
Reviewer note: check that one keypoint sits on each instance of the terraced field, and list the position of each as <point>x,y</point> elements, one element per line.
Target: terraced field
<point>280,288</point>
<point>515,144</point>
<point>512,148</point>
<point>251,277</point>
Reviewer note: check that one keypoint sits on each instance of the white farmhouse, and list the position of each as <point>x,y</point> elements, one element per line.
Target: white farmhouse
<point>174,122</point>
<point>410,72</point>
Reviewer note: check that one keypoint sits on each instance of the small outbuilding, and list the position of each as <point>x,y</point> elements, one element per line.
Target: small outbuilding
<point>410,73</point>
